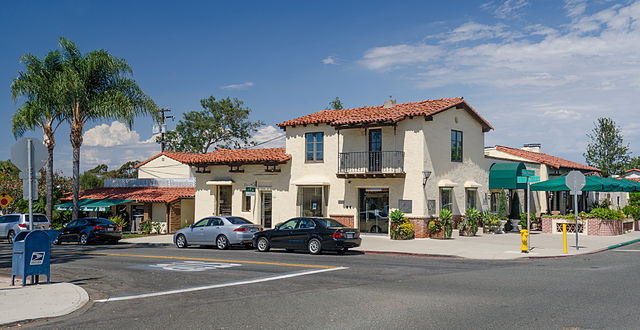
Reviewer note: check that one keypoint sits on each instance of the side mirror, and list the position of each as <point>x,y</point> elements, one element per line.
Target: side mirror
<point>277,227</point>
<point>191,226</point>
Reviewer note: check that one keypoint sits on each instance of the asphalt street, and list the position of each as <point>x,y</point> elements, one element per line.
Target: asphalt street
<point>141,286</point>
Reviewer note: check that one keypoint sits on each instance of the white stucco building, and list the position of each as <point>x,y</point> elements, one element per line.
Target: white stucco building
<point>354,165</point>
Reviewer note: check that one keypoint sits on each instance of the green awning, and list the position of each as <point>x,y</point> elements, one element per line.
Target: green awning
<point>592,183</point>
<point>623,184</point>
<point>504,176</point>
<point>101,205</point>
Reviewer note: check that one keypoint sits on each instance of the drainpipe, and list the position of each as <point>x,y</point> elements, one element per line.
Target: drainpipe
<point>338,150</point>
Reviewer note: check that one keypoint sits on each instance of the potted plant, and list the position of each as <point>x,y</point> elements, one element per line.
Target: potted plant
<point>445,219</point>
<point>401,227</point>
<point>490,222</point>
<point>436,230</point>
<point>468,226</point>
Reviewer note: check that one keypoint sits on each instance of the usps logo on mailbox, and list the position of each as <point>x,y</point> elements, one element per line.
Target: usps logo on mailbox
<point>37,258</point>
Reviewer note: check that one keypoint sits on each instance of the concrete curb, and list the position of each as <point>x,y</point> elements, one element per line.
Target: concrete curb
<point>615,246</point>
<point>611,247</point>
<point>412,254</point>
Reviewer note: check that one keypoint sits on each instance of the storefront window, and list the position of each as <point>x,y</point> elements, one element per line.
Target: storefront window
<point>246,202</point>
<point>446,198</point>
<point>472,195</point>
<point>224,200</point>
<point>311,202</point>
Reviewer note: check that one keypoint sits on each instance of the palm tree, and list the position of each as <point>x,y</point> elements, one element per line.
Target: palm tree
<point>39,85</point>
<point>97,86</point>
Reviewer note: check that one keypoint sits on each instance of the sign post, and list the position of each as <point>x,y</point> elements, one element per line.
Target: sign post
<point>528,177</point>
<point>29,155</point>
<point>575,181</point>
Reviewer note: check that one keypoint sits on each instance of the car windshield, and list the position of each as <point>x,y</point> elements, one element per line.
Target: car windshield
<point>38,218</point>
<point>331,222</point>
<point>238,220</point>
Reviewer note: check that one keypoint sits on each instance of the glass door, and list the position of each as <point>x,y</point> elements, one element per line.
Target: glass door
<point>375,150</point>
<point>374,210</point>
<point>224,200</point>
<point>265,208</point>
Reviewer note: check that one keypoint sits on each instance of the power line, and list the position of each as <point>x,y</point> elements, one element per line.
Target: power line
<point>272,139</point>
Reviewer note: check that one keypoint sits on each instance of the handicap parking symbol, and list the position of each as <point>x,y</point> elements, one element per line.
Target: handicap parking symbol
<point>192,266</point>
<point>37,258</point>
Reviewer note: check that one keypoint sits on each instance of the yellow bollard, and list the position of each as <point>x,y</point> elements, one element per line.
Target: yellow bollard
<point>525,235</point>
<point>564,237</point>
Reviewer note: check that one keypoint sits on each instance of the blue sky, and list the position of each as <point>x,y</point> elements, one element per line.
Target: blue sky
<point>539,71</point>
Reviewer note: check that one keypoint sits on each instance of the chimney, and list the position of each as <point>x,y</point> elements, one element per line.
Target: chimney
<point>534,147</point>
<point>389,103</point>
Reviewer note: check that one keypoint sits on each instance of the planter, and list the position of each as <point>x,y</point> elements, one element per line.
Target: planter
<point>465,232</point>
<point>438,235</point>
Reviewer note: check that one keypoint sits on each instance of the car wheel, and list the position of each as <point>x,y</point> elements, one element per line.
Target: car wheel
<point>56,241</point>
<point>263,244</point>
<point>375,229</point>
<point>84,239</point>
<point>314,246</point>
<point>181,241</point>
<point>11,236</point>
<point>222,242</point>
<point>343,250</point>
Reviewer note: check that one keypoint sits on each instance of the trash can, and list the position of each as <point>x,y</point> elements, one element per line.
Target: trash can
<point>31,256</point>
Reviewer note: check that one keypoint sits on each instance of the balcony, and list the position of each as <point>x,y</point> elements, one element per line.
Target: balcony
<point>375,164</point>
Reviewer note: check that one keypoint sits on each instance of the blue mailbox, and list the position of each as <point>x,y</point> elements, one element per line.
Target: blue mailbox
<point>31,255</point>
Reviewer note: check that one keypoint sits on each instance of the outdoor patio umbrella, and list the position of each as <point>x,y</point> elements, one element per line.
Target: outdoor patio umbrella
<point>623,184</point>
<point>592,183</point>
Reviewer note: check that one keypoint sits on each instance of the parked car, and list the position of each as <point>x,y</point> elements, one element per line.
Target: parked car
<point>86,230</point>
<point>308,233</point>
<point>219,231</point>
<point>12,224</point>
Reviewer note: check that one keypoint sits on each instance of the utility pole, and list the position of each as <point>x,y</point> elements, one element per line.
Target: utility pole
<point>163,127</point>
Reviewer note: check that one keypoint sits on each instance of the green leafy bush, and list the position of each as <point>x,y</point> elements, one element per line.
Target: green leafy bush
<point>445,219</point>
<point>490,221</point>
<point>605,214</point>
<point>470,221</point>
<point>119,220</point>
<point>146,227</point>
<point>401,227</point>
<point>502,206</point>
<point>523,219</point>
<point>157,227</point>
<point>435,226</point>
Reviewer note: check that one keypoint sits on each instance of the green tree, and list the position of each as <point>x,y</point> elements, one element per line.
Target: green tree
<point>39,88</point>
<point>634,163</point>
<point>335,104</point>
<point>221,124</point>
<point>97,86</point>
<point>90,180</point>
<point>502,206</point>
<point>607,150</point>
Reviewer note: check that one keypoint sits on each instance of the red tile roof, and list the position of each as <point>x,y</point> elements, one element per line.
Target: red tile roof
<point>228,157</point>
<point>378,114</point>
<point>543,158</point>
<point>631,170</point>
<point>141,194</point>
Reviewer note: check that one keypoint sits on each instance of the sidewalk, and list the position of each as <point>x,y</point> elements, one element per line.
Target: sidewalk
<point>31,302</point>
<point>482,246</point>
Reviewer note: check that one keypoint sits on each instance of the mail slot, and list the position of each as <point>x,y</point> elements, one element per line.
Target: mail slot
<point>32,255</point>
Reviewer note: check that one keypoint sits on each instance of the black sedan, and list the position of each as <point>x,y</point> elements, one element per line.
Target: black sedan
<point>307,233</point>
<point>85,230</point>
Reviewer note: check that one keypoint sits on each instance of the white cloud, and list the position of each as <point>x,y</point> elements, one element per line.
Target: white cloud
<point>475,31</point>
<point>269,137</point>
<point>507,9</point>
<point>109,135</point>
<point>387,57</point>
<point>575,7</point>
<point>244,85</point>
<point>329,60</point>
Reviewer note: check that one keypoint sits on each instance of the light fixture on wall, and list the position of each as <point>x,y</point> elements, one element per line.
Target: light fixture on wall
<point>425,176</point>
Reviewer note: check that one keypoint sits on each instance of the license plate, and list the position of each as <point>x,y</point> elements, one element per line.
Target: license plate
<point>349,235</point>
<point>253,229</point>
<point>110,229</point>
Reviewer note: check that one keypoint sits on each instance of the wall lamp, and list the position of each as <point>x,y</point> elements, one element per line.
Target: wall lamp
<point>425,176</point>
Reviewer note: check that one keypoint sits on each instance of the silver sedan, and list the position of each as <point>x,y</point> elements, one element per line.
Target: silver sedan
<point>219,231</point>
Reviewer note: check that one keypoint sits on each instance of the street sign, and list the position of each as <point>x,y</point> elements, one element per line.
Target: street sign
<point>250,191</point>
<point>19,156</point>
<point>521,179</point>
<point>528,173</point>
<point>25,189</point>
<point>533,179</point>
<point>5,199</point>
<point>575,181</point>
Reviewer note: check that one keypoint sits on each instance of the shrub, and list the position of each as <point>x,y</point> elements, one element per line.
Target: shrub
<point>157,227</point>
<point>401,227</point>
<point>470,220</point>
<point>490,221</point>
<point>146,227</point>
<point>523,219</point>
<point>605,214</point>
<point>119,220</point>
<point>445,219</point>
<point>508,226</point>
<point>435,226</point>
<point>502,206</point>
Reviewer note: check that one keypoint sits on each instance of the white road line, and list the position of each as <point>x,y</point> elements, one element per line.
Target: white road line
<point>221,285</point>
<point>618,250</point>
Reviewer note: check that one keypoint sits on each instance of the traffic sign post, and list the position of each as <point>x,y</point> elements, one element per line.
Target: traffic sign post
<point>5,199</point>
<point>29,155</point>
<point>575,181</point>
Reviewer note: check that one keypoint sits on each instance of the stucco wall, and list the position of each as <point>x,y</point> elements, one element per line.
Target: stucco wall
<point>159,212</point>
<point>164,167</point>
<point>187,209</point>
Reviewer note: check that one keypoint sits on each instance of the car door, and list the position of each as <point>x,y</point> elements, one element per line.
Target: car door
<point>197,234</point>
<point>3,227</point>
<point>75,231</point>
<point>302,233</point>
<point>66,231</point>
<point>280,238</point>
<point>213,229</point>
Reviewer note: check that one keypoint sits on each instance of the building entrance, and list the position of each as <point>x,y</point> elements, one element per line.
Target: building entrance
<point>374,210</point>
<point>265,207</point>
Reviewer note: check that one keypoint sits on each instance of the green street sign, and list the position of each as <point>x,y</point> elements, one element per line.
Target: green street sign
<point>250,191</point>
<point>521,179</point>
<point>533,179</point>
<point>528,173</point>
